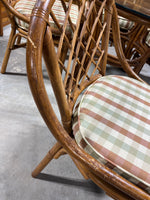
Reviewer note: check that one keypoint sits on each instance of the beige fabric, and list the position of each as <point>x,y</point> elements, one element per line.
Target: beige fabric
<point>112,124</point>
<point>25,7</point>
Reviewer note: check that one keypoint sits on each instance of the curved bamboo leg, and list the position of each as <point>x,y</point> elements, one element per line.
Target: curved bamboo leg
<point>118,46</point>
<point>81,168</point>
<point>18,40</point>
<point>49,156</point>
<point>8,50</point>
<point>61,152</point>
<point>109,189</point>
<point>142,62</point>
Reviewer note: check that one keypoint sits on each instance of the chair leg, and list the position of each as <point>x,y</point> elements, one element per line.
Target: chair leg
<point>61,152</point>
<point>81,168</point>
<point>18,40</point>
<point>8,50</point>
<point>50,155</point>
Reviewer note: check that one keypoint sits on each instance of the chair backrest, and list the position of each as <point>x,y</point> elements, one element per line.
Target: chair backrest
<point>81,54</point>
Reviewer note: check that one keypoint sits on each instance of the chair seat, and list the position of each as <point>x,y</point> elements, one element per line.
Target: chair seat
<point>25,7</point>
<point>148,38</point>
<point>125,23</point>
<point>112,124</point>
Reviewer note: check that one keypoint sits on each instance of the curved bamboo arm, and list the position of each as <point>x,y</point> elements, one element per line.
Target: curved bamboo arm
<point>118,46</point>
<point>34,69</point>
<point>14,12</point>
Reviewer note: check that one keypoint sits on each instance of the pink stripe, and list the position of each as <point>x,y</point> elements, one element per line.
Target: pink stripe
<point>136,84</point>
<point>117,160</point>
<point>115,127</point>
<point>112,103</point>
<point>75,129</point>
<point>125,92</point>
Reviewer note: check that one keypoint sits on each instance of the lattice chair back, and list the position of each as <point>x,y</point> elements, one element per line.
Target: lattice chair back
<point>73,65</point>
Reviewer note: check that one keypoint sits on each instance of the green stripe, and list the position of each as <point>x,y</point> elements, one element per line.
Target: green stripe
<point>128,86</point>
<point>119,143</point>
<point>116,115</point>
<point>124,99</point>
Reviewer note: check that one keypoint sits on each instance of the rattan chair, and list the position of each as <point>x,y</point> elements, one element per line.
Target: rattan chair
<point>105,130</point>
<point>16,33</point>
<point>135,40</point>
<point>19,12</point>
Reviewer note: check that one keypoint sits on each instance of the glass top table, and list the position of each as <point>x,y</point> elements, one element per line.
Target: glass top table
<point>140,8</point>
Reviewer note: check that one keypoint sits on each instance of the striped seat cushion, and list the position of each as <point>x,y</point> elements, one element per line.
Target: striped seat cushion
<point>125,24</point>
<point>112,124</point>
<point>25,7</point>
<point>148,38</point>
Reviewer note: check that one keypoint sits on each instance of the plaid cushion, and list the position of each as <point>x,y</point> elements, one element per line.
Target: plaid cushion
<point>25,7</point>
<point>125,23</point>
<point>112,124</point>
<point>148,38</point>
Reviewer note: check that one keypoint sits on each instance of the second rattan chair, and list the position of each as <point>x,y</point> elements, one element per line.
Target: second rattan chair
<point>19,13</point>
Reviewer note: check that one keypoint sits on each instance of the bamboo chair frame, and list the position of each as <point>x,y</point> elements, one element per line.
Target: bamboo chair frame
<point>16,33</point>
<point>136,51</point>
<point>90,36</point>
